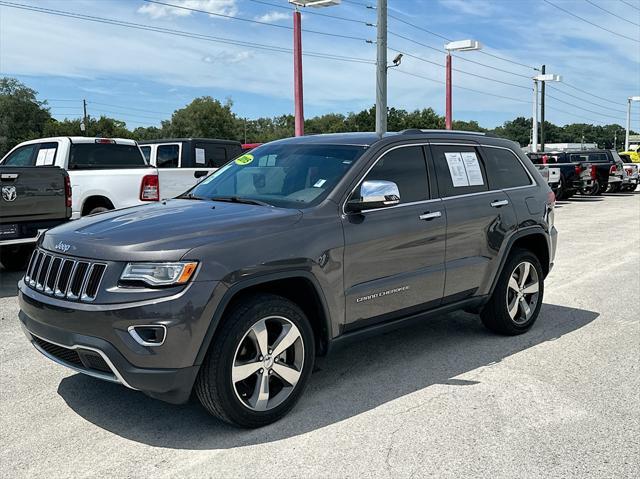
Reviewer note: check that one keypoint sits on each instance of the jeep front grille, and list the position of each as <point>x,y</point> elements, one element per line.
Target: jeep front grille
<point>63,277</point>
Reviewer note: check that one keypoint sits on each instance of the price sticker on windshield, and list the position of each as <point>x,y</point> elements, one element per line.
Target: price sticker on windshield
<point>244,160</point>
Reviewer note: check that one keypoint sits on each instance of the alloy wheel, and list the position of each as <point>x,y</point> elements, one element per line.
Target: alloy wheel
<point>522,292</point>
<point>267,363</point>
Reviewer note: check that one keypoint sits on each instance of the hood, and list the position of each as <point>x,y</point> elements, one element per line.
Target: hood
<point>164,231</point>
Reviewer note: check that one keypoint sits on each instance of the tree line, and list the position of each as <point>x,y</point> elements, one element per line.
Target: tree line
<point>24,117</point>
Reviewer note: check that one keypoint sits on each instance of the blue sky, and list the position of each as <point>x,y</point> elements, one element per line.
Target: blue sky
<point>142,77</point>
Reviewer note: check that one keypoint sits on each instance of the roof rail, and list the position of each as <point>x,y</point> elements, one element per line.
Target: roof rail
<point>415,131</point>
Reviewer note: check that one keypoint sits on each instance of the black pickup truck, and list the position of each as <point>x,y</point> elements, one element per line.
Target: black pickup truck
<point>576,173</point>
<point>31,200</point>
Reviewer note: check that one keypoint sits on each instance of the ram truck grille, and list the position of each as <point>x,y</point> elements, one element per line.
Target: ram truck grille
<point>63,277</point>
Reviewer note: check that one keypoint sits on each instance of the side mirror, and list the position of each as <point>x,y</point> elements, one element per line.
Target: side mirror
<point>375,194</point>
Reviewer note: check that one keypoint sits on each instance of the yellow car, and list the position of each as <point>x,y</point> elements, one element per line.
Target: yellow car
<point>633,155</point>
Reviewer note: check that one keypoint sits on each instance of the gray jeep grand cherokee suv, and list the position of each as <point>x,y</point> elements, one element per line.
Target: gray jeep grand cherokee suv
<point>232,289</point>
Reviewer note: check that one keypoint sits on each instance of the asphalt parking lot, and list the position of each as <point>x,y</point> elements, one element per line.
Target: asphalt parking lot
<point>444,398</point>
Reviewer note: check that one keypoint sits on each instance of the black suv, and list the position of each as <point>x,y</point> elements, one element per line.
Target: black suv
<point>233,288</point>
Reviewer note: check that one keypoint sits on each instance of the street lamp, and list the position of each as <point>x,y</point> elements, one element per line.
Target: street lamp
<point>539,78</point>
<point>297,58</point>
<point>457,46</point>
<point>626,136</point>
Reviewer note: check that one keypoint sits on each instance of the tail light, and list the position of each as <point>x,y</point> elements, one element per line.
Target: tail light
<point>578,169</point>
<point>594,172</point>
<point>67,191</point>
<point>545,159</point>
<point>105,141</point>
<point>551,199</point>
<point>150,188</point>
<point>612,170</point>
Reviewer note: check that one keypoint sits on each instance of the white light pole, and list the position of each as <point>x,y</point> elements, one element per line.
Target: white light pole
<point>626,136</point>
<point>457,46</point>
<point>536,79</point>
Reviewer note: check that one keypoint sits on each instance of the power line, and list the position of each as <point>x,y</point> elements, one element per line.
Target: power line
<point>128,108</point>
<point>590,94</point>
<point>125,114</point>
<point>55,99</point>
<point>632,6</point>
<point>583,108</point>
<point>611,13</point>
<point>257,22</point>
<point>458,70</point>
<point>180,33</point>
<point>581,99</point>
<point>590,22</point>
<point>520,100</point>
<point>570,114</point>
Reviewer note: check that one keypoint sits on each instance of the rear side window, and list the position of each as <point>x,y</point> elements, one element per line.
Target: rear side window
<point>168,156</point>
<point>105,156</point>
<point>146,152</point>
<point>504,169</point>
<point>46,154</point>
<point>598,157</point>
<point>459,169</point>
<point>407,168</point>
<point>210,155</point>
<point>23,156</point>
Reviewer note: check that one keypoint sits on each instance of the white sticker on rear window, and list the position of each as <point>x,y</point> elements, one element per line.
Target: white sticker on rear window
<point>200,156</point>
<point>456,169</point>
<point>472,166</point>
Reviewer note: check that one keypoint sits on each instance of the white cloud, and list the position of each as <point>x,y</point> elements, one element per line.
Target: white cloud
<point>482,8</point>
<point>155,10</point>
<point>272,17</point>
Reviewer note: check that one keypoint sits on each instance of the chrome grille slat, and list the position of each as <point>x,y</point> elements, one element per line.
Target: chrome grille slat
<point>63,277</point>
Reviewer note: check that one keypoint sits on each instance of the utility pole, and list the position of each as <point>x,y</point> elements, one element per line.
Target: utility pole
<point>615,140</point>
<point>534,118</point>
<point>542,87</point>
<point>297,73</point>
<point>381,69</point>
<point>85,123</point>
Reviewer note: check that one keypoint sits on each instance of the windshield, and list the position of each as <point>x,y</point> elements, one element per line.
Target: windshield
<point>283,175</point>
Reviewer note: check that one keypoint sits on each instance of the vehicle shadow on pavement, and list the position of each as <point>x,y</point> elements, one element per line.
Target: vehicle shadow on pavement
<point>9,282</point>
<point>352,380</point>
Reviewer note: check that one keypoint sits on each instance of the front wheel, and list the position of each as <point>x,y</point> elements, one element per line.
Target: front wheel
<point>259,362</point>
<point>516,300</point>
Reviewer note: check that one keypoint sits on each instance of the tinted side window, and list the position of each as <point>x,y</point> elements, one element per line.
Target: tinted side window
<point>105,156</point>
<point>407,168</point>
<point>504,169</point>
<point>167,156</point>
<point>214,156</point>
<point>146,151</point>
<point>598,157</point>
<point>23,156</point>
<point>459,169</point>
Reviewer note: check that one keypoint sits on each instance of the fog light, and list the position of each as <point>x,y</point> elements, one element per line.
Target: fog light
<point>148,335</point>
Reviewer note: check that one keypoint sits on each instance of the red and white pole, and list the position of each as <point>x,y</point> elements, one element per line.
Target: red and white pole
<point>297,74</point>
<point>448,108</point>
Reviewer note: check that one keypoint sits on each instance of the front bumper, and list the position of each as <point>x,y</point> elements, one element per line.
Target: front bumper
<point>94,339</point>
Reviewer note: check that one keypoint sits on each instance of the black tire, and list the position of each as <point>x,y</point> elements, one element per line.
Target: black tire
<point>560,191</point>
<point>495,315</point>
<point>596,190</point>
<point>15,257</point>
<point>214,386</point>
<point>98,209</point>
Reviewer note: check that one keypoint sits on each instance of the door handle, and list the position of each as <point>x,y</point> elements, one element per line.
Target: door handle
<point>499,203</point>
<point>9,176</point>
<point>429,216</point>
<point>200,173</point>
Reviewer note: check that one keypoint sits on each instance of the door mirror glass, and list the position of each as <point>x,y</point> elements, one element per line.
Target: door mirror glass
<point>375,194</point>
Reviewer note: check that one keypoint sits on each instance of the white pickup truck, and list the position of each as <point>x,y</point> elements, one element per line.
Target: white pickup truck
<point>105,173</point>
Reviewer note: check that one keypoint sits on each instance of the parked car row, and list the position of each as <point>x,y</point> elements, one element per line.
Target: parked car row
<point>588,172</point>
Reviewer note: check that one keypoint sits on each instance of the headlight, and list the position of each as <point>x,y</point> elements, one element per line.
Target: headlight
<point>159,274</point>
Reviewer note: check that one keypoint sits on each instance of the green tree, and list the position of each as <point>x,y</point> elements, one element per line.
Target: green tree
<point>22,116</point>
<point>204,117</point>
<point>518,130</point>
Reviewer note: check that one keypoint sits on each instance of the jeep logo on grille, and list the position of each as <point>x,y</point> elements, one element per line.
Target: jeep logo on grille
<point>62,247</point>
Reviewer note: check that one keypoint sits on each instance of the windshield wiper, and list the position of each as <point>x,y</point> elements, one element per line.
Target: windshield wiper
<point>191,196</point>
<point>238,199</point>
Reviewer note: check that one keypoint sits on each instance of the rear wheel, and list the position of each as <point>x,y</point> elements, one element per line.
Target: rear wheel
<point>516,300</point>
<point>15,257</point>
<point>560,191</point>
<point>98,209</point>
<point>259,362</point>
